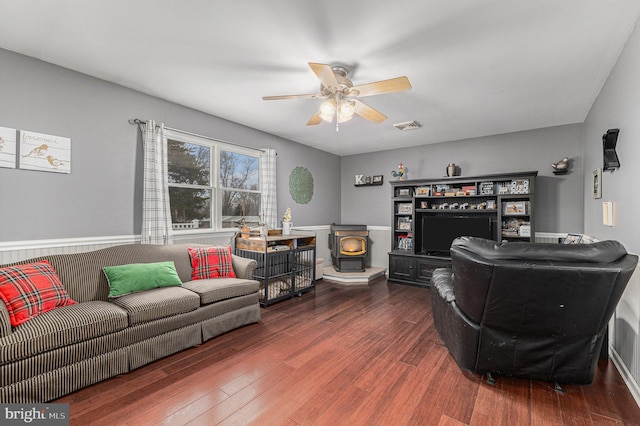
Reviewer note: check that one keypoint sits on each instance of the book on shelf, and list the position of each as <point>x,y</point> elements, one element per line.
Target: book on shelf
<point>405,241</point>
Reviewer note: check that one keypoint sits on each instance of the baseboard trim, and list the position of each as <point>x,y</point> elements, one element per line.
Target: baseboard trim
<point>626,375</point>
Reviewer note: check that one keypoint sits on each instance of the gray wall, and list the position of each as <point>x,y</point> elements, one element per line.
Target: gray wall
<point>618,106</point>
<point>102,195</point>
<point>559,198</point>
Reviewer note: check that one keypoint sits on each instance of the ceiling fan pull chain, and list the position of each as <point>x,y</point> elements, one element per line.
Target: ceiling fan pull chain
<point>338,101</point>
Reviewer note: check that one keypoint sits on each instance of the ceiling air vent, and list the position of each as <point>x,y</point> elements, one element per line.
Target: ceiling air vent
<point>407,125</point>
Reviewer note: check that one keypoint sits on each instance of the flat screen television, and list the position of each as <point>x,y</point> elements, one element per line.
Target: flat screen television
<point>438,232</point>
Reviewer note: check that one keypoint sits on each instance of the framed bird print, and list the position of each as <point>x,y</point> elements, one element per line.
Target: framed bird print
<point>45,153</point>
<point>8,147</point>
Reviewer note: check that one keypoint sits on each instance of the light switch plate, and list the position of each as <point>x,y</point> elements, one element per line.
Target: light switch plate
<point>607,213</point>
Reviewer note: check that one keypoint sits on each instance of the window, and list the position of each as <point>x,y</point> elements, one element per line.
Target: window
<point>212,185</point>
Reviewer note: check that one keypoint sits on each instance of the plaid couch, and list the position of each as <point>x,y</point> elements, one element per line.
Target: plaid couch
<point>74,346</point>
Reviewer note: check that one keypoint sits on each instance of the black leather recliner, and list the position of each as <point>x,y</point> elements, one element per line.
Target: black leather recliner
<point>537,311</point>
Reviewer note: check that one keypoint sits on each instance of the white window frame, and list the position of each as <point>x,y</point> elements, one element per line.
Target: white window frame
<point>216,147</point>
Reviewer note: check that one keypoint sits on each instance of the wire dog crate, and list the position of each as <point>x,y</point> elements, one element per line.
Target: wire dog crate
<point>286,264</point>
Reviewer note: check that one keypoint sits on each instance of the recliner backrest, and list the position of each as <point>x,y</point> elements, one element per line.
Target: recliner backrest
<point>521,285</point>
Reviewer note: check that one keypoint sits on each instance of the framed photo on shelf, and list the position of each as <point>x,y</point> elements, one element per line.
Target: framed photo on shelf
<point>515,208</point>
<point>423,190</point>
<point>404,226</point>
<point>405,208</point>
<point>597,183</point>
<point>404,192</point>
<point>572,239</point>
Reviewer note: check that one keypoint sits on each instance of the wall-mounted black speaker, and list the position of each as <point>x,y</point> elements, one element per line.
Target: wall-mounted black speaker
<point>609,141</point>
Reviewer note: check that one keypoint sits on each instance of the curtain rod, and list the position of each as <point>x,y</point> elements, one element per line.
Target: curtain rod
<point>137,121</point>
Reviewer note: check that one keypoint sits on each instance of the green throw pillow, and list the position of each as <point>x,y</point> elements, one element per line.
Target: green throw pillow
<point>136,277</point>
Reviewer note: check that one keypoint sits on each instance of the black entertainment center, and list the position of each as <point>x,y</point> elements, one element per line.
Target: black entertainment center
<point>428,214</point>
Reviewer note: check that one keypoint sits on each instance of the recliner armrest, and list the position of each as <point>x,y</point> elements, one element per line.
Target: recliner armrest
<point>442,282</point>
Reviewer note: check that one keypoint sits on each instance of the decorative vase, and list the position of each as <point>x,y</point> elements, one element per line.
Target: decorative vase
<point>286,228</point>
<point>451,170</point>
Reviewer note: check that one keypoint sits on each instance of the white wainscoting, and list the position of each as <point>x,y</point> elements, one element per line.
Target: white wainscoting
<point>15,251</point>
<point>379,237</point>
<point>625,325</point>
<point>624,336</point>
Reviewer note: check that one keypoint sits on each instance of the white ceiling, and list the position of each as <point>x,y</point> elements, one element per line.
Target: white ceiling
<point>477,67</point>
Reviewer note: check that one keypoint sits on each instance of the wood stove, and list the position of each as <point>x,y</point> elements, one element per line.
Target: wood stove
<point>349,246</point>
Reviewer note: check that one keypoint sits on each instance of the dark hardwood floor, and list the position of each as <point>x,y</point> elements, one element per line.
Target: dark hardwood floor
<point>367,355</point>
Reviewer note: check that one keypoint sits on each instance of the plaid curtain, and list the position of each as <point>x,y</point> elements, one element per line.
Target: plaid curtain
<point>156,215</point>
<point>268,185</point>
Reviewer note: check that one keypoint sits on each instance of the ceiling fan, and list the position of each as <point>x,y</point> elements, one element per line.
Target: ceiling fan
<point>341,95</point>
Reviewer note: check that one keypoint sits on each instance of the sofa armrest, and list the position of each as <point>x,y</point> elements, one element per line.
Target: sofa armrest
<point>244,267</point>
<point>5,322</point>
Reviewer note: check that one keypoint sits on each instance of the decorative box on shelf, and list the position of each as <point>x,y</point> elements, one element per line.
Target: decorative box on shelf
<point>524,230</point>
<point>486,188</point>
<point>520,186</point>
<point>469,189</point>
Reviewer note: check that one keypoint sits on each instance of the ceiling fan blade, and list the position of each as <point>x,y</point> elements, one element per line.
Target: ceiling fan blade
<point>325,75</point>
<point>315,119</point>
<point>305,96</point>
<point>366,112</point>
<point>397,84</point>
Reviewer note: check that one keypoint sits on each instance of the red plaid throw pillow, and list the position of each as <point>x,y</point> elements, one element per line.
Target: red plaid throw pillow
<point>211,262</point>
<point>31,289</point>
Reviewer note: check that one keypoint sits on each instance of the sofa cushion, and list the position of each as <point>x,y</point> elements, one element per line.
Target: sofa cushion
<point>211,262</point>
<point>134,277</point>
<point>62,327</point>
<point>157,303</point>
<point>215,289</point>
<point>31,289</point>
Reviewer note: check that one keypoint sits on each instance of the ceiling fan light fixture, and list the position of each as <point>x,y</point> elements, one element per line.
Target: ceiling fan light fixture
<point>347,109</point>
<point>339,91</point>
<point>328,110</point>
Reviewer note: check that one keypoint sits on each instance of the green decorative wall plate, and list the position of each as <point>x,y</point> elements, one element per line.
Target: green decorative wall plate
<point>301,185</point>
